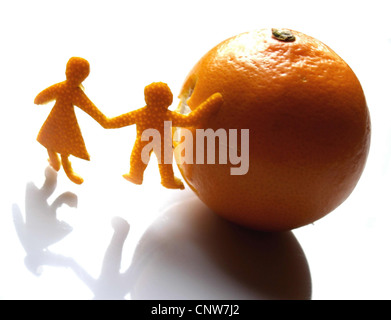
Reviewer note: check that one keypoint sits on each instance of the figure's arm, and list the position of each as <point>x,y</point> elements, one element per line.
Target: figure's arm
<point>126,119</point>
<point>67,198</point>
<point>86,105</point>
<point>82,101</point>
<point>47,95</point>
<point>202,112</point>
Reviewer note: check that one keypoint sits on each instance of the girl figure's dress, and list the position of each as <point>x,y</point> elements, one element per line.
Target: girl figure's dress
<point>60,134</point>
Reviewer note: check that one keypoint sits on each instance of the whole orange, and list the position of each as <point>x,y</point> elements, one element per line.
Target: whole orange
<point>308,121</point>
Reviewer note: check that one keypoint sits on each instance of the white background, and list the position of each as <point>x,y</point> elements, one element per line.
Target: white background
<point>166,243</point>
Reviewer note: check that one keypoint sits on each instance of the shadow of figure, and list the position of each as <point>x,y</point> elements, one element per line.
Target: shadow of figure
<point>187,253</point>
<point>190,253</point>
<point>41,228</point>
<point>111,283</point>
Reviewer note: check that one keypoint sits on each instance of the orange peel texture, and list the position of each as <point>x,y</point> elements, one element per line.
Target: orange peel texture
<point>308,121</point>
<point>158,98</point>
<point>60,134</point>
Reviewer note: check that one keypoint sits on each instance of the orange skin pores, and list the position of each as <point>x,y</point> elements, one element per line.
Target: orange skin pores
<point>158,98</point>
<point>61,135</point>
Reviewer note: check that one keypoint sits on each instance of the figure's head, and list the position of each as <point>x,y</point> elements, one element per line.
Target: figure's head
<point>77,70</point>
<point>158,94</point>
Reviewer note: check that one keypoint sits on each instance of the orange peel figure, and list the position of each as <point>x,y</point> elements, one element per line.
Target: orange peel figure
<point>60,134</point>
<point>158,98</point>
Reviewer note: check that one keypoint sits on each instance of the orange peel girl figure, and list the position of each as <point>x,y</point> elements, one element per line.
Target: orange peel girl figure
<point>158,98</point>
<point>60,133</point>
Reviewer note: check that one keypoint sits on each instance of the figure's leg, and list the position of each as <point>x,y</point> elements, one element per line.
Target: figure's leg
<point>54,160</point>
<point>137,165</point>
<point>66,164</point>
<point>167,177</point>
<point>112,259</point>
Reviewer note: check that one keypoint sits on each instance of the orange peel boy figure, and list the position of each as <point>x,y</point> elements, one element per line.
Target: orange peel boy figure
<point>60,133</point>
<point>158,98</point>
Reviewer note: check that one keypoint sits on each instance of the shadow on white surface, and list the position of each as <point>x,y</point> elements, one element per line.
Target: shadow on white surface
<point>41,228</point>
<point>190,253</point>
<point>112,284</point>
<point>187,253</point>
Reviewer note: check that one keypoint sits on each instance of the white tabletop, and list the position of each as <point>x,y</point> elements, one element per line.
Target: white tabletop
<point>111,239</point>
